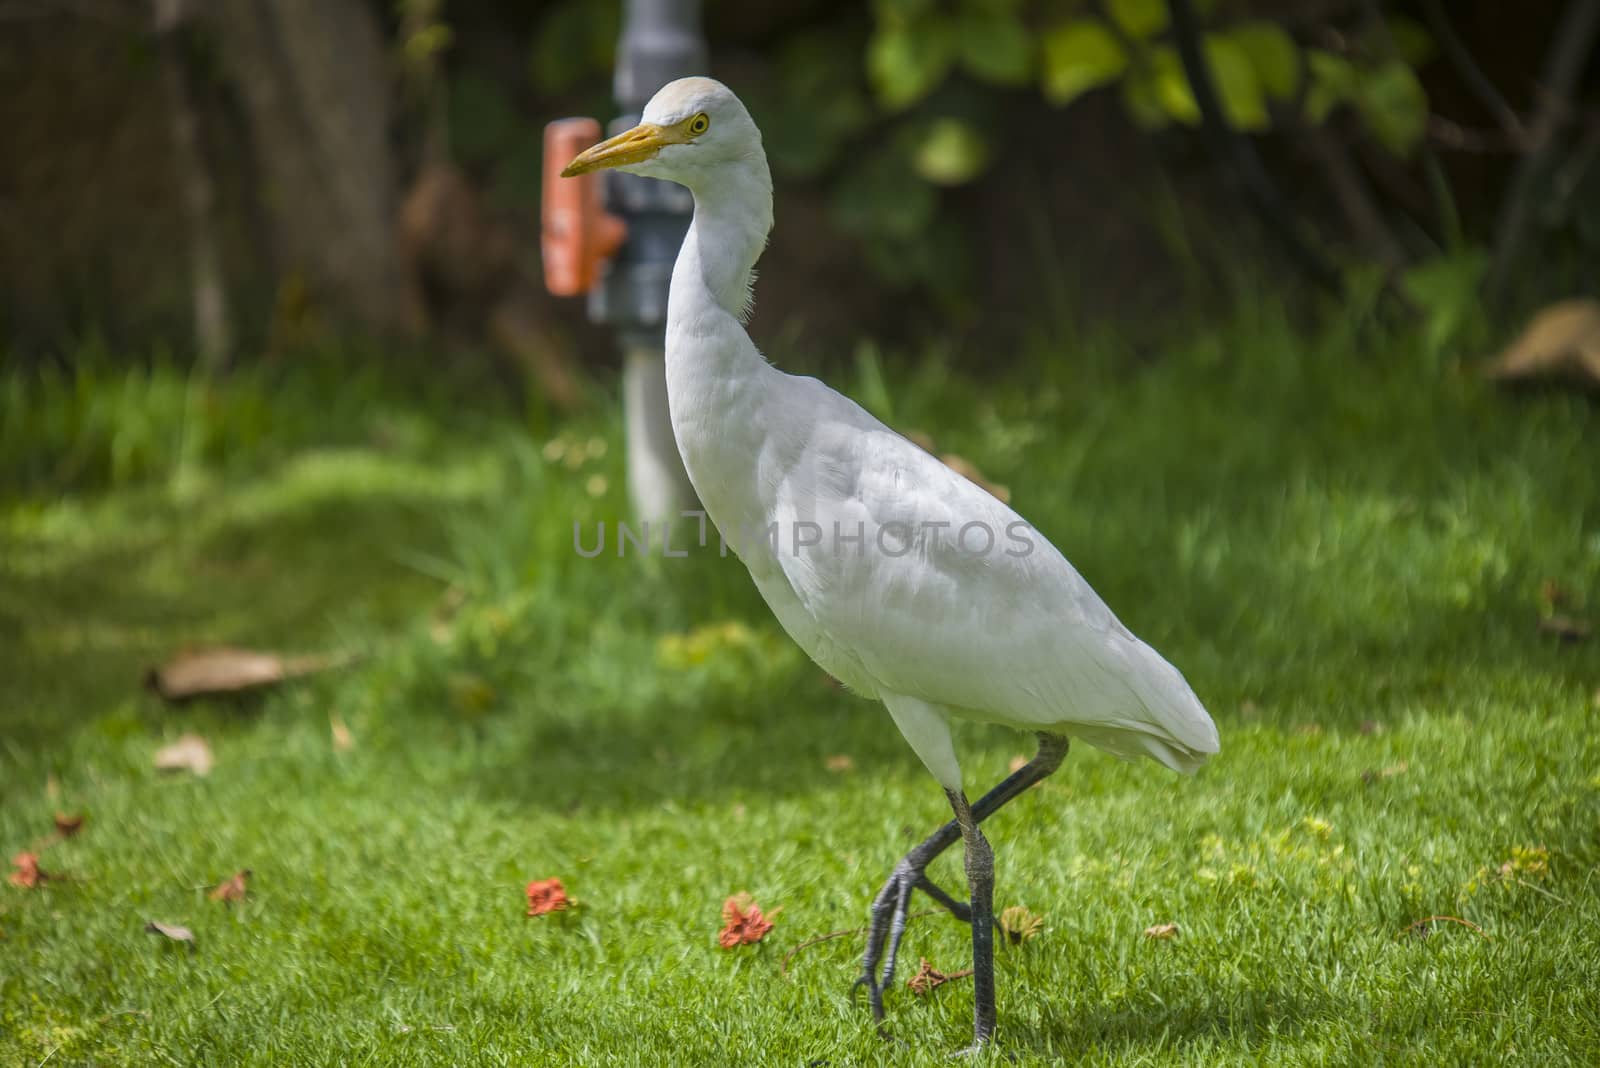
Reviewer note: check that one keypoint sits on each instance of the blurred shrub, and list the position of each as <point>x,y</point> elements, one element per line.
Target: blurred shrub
<point>889,103</point>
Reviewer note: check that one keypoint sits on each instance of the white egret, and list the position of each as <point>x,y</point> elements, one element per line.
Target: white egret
<point>899,577</point>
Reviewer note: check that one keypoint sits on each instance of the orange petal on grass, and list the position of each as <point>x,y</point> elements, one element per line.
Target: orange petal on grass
<point>27,874</point>
<point>742,922</point>
<point>546,895</point>
<point>232,888</point>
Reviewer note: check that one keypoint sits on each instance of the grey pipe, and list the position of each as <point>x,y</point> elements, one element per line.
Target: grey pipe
<point>661,42</point>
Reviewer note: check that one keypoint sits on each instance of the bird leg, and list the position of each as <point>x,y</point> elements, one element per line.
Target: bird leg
<point>980,887</point>
<point>889,909</point>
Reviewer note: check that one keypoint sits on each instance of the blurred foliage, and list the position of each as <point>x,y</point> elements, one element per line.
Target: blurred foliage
<point>885,104</point>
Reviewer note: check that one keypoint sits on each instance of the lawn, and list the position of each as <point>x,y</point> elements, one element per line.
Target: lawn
<point>1346,545</point>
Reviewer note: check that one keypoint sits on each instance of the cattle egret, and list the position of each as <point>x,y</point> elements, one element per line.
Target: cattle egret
<point>899,577</point>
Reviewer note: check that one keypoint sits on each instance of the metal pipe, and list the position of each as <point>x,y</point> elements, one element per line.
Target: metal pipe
<point>661,42</point>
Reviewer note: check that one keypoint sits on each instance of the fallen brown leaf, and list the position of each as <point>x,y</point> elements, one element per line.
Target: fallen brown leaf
<point>1560,344</point>
<point>27,874</point>
<point>742,922</point>
<point>233,888</point>
<point>1565,628</point>
<point>189,753</point>
<point>1020,925</point>
<point>223,670</point>
<point>546,895</point>
<point>839,762</point>
<point>1162,932</point>
<point>929,978</point>
<point>172,931</point>
<point>68,824</point>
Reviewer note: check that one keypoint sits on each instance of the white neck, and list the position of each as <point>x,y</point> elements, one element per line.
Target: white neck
<point>717,383</point>
<point>730,227</point>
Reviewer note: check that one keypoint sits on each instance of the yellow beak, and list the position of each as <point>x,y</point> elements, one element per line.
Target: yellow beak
<point>631,146</point>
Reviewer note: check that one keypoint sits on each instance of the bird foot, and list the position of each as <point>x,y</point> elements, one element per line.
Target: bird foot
<point>890,911</point>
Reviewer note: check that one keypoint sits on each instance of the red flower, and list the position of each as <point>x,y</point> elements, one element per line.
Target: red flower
<point>27,873</point>
<point>742,921</point>
<point>546,895</point>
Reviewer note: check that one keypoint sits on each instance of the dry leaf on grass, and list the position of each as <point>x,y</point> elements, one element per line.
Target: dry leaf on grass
<point>68,824</point>
<point>1020,925</point>
<point>1566,628</point>
<point>547,895</point>
<point>929,978</point>
<point>172,932</point>
<point>222,670</point>
<point>189,753</point>
<point>1561,344</point>
<point>1161,932</point>
<point>232,888</point>
<point>839,762</point>
<point>28,873</point>
<point>742,922</point>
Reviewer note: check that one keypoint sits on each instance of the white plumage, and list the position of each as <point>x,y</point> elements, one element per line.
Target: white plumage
<point>950,604</point>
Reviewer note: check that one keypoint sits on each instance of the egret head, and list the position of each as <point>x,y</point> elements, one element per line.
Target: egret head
<point>691,128</point>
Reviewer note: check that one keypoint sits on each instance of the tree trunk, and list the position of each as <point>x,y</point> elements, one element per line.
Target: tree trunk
<point>213,332</point>
<point>315,86</point>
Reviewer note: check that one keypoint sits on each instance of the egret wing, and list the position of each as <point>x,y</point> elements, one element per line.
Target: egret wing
<point>941,592</point>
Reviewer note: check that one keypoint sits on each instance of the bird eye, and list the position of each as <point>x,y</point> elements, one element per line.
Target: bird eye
<point>700,124</point>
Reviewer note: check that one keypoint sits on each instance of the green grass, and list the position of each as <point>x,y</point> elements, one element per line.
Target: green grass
<point>1341,546</point>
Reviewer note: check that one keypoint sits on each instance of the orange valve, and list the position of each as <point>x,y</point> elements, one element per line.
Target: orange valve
<point>577,234</point>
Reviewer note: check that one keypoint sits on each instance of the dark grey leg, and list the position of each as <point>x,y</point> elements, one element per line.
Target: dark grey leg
<point>980,886</point>
<point>890,907</point>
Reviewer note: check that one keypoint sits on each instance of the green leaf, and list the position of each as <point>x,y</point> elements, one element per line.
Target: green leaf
<point>1272,53</point>
<point>1333,82</point>
<point>905,62</point>
<point>1139,18</point>
<point>1080,56</point>
<point>1171,86</point>
<point>1142,100</point>
<point>1447,292</point>
<point>1393,105</point>
<point>952,152</point>
<point>1244,102</point>
<point>995,47</point>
